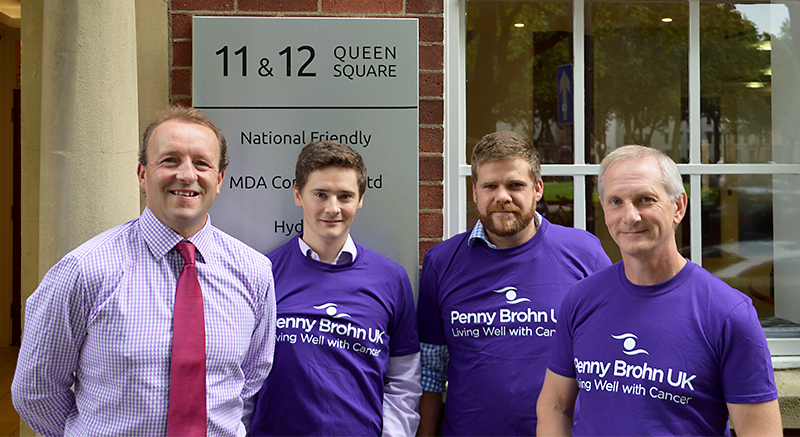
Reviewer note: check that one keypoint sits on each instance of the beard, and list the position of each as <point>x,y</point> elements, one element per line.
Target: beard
<point>508,227</point>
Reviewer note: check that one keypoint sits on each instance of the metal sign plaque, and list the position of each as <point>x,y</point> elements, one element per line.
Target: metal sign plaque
<point>275,84</point>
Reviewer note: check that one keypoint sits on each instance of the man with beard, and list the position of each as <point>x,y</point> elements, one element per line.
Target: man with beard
<point>488,298</point>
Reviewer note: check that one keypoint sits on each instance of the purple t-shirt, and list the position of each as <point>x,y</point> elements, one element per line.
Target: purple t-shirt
<point>337,326</point>
<point>661,359</point>
<point>494,309</point>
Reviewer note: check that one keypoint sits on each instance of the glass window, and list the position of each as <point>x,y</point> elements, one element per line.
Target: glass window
<point>747,120</point>
<point>735,82</point>
<point>513,51</point>
<point>715,85</point>
<point>637,76</point>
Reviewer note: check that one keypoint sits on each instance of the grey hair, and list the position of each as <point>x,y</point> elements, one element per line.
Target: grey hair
<point>671,177</point>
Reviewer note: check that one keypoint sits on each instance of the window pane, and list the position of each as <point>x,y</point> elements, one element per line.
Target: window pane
<point>735,83</point>
<point>738,243</point>
<point>636,77</point>
<point>513,51</point>
<point>786,213</point>
<point>750,107</point>
<point>750,240</point>
<point>558,201</point>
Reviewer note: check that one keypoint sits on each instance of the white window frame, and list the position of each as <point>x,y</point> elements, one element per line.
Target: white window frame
<point>785,351</point>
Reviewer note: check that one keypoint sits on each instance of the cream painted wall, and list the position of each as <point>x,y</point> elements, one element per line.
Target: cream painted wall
<point>152,66</point>
<point>8,72</point>
<point>31,35</point>
<point>152,48</point>
<point>152,30</point>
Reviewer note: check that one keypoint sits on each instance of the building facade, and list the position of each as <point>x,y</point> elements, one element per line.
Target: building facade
<point>712,84</point>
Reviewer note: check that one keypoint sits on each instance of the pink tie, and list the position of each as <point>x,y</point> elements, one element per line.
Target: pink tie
<point>187,381</point>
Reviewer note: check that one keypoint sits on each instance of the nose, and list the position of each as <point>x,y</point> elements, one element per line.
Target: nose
<point>502,196</point>
<point>630,214</point>
<point>186,172</point>
<point>332,206</point>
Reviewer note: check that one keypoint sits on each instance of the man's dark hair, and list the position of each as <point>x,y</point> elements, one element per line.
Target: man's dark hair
<point>321,154</point>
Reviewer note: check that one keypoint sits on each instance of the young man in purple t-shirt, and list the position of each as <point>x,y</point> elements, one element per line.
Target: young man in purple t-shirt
<point>347,349</point>
<point>488,298</point>
<point>655,344</point>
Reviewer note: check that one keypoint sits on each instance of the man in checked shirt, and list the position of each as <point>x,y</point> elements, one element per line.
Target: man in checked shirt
<point>102,317</point>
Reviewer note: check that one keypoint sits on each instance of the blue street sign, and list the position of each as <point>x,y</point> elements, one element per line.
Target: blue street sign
<point>565,100</point>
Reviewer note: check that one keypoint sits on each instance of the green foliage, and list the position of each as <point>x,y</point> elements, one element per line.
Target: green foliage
<point>637,73</point>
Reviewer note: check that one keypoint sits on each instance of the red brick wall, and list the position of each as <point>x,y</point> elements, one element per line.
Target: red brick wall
<point>431,74</point>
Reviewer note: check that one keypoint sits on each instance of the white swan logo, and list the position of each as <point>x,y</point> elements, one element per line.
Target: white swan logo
<point>331,310</point>
<point>511,295</point>
<point>629,344</point>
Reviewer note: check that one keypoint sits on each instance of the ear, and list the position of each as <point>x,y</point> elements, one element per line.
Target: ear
<point>298,200</point>
<point>140,173</point>
<point>360,202</point>
<point>538,190</point>
<point>680,211</point>
<point>220,177</point>
<point>474,194</point>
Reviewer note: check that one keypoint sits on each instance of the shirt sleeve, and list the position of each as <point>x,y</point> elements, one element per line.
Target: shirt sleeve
<point>435,360</point>
<point>55,326</point>
<point>746,365</point>
<point>258,361</point>
<point>401,395</point>
<point>429,317</point>
<point>561,355</point>
<point>402,329</point>
<point>601,261</point>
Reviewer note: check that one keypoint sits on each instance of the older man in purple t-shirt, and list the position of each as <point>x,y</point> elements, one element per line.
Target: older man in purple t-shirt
<point>655,344</point>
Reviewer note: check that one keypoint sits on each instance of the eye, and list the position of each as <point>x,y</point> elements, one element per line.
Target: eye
<point>647,199</point>
<point>346,197</point>
<point>615,202</point>
<point>169,160</point>
<point>489,187</point>
<point>320,195</point>
<point>201,163</point>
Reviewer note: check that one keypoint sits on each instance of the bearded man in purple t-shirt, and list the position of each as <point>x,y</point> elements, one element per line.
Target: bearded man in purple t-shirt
<point>488,297</point>
<point>654,344</point>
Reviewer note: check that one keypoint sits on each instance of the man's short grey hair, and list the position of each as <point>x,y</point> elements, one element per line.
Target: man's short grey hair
<point>671,177</point>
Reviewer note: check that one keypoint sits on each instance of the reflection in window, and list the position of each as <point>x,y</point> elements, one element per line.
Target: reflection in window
<point>513,51</point>
<point>637,58</point>
<point>735,85</point>
<point>637,77</point>
<point>738,241</point>
<point>739,233</point>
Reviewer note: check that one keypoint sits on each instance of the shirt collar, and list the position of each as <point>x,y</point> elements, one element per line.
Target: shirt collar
<point>346,255</point>
<point>160,239</point>
<point>479,233</point>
